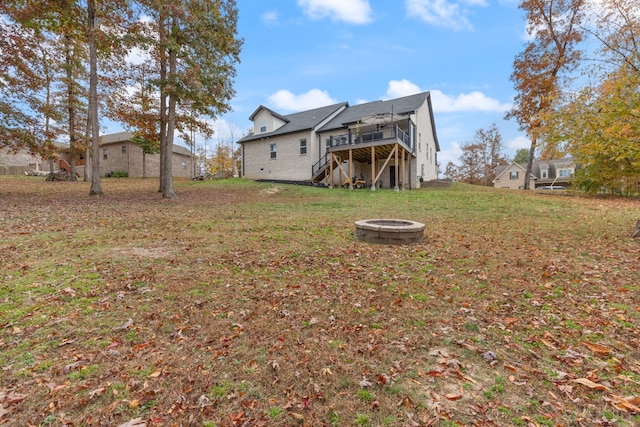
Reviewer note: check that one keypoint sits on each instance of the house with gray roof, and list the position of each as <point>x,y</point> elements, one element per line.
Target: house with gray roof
<point>554,173</point>
<point>380,144</point>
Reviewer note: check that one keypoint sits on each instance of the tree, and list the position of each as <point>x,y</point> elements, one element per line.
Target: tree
<point>479,158</point>
<point>522,155</point>
<point>538,70</point>
<point>28,73</point>
<point>197,50</point>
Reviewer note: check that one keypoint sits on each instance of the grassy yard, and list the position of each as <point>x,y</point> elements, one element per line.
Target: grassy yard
<point>253,304</point>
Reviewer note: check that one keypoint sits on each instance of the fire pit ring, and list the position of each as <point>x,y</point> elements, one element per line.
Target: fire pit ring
<point>389,231</point>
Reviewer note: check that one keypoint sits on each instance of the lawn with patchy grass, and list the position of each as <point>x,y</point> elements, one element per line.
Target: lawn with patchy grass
<point>245,303</point>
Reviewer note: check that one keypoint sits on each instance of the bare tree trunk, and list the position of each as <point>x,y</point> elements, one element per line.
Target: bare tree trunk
<point>163,95</point>
<point>71,107</point>
<point>168,191</point>
<point>92,119</point>
<point>527,176</point>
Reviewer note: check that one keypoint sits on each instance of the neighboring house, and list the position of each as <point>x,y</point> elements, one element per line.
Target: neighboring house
<point>557,172</point>
<point>20,162</point>
<point>118,153</point>
<point>390,144</point>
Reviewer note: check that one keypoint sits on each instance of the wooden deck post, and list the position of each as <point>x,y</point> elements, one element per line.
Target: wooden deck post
<point>396,188</point>
<point>373,169</point>
<point>330,170</point>
<point>350,167</point>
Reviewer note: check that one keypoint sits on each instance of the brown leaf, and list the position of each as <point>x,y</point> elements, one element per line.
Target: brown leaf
<point>596,348</point>
<point>13,398</point>
<point>591,384</point>
<point>452,396</point>
<point>297,416</point>
<point>136,422</point>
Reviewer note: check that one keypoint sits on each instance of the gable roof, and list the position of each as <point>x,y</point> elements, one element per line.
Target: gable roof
<point>296,122</point>
<point>399,106</point>
<point>273,113</point>
<point>307,120</point>
<point>503,168</point>
<point>551,165</point>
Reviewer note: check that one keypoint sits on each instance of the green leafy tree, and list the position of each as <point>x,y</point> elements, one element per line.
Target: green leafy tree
<point>522,155</point>
<point>196,48</point>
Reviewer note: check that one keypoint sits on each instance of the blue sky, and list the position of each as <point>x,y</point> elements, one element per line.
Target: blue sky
<point>301,54</point>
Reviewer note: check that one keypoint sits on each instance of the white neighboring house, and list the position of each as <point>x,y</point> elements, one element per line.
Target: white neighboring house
<point>380,144</point>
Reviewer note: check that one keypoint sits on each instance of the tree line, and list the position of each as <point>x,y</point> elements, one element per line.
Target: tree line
<point>159,68</point>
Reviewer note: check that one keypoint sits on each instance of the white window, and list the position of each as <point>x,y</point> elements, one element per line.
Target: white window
<point>124,148</point>
<point>544,174</point>
<point>263,126</point>
<point>105,154</point>
<point>327,144</point>
<point>273,150</point>
<point>184,165</point>
<point>513,175</point>
<point>303,146</point>
<point>565,173</point>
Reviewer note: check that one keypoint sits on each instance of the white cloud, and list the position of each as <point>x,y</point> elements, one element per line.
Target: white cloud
<point>519,142</point>
<point>443,13</point>
<point>286,100</point>
<point>400,88</point>
<point>452,154</point>
<point>474,101</point>
<point>350,11</point>
<point>270,17</point>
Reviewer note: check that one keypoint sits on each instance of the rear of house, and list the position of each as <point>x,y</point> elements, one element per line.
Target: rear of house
<point>388,144</point>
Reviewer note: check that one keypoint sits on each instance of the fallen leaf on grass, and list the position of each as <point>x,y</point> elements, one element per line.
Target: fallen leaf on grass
<point>452,396</point>
<point>13,398</point>
<point>155,374</point>
<point>124,326</point>
<point>591,384</point>
<point>596,348</point>
<point>3,411</point>
<point>626,404</point>
<point>136,422</point>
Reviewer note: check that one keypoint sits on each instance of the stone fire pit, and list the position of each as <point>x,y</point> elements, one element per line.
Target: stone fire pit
<point>389,231</point>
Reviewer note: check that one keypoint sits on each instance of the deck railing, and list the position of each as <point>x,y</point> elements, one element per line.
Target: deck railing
<point>394,133</point>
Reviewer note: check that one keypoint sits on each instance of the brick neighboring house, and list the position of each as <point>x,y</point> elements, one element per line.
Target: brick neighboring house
<point>556,172</point>
<point>390,144</point>
<point>118,153</point>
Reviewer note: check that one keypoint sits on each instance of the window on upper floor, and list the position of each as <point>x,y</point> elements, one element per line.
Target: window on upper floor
<point>327,144</point>
<point>565,172</point>
<point>263,126</point>
<point>513,175</point>
<point>303,146</point>
<point>105,154</point>
<point>124,148</point>
<point>273,151</point>
<point>184,165</point>
<point>544,174</point>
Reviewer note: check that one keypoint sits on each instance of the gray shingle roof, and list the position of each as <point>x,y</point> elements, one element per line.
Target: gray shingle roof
<point>400,106</point>
<point>296,122</point>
